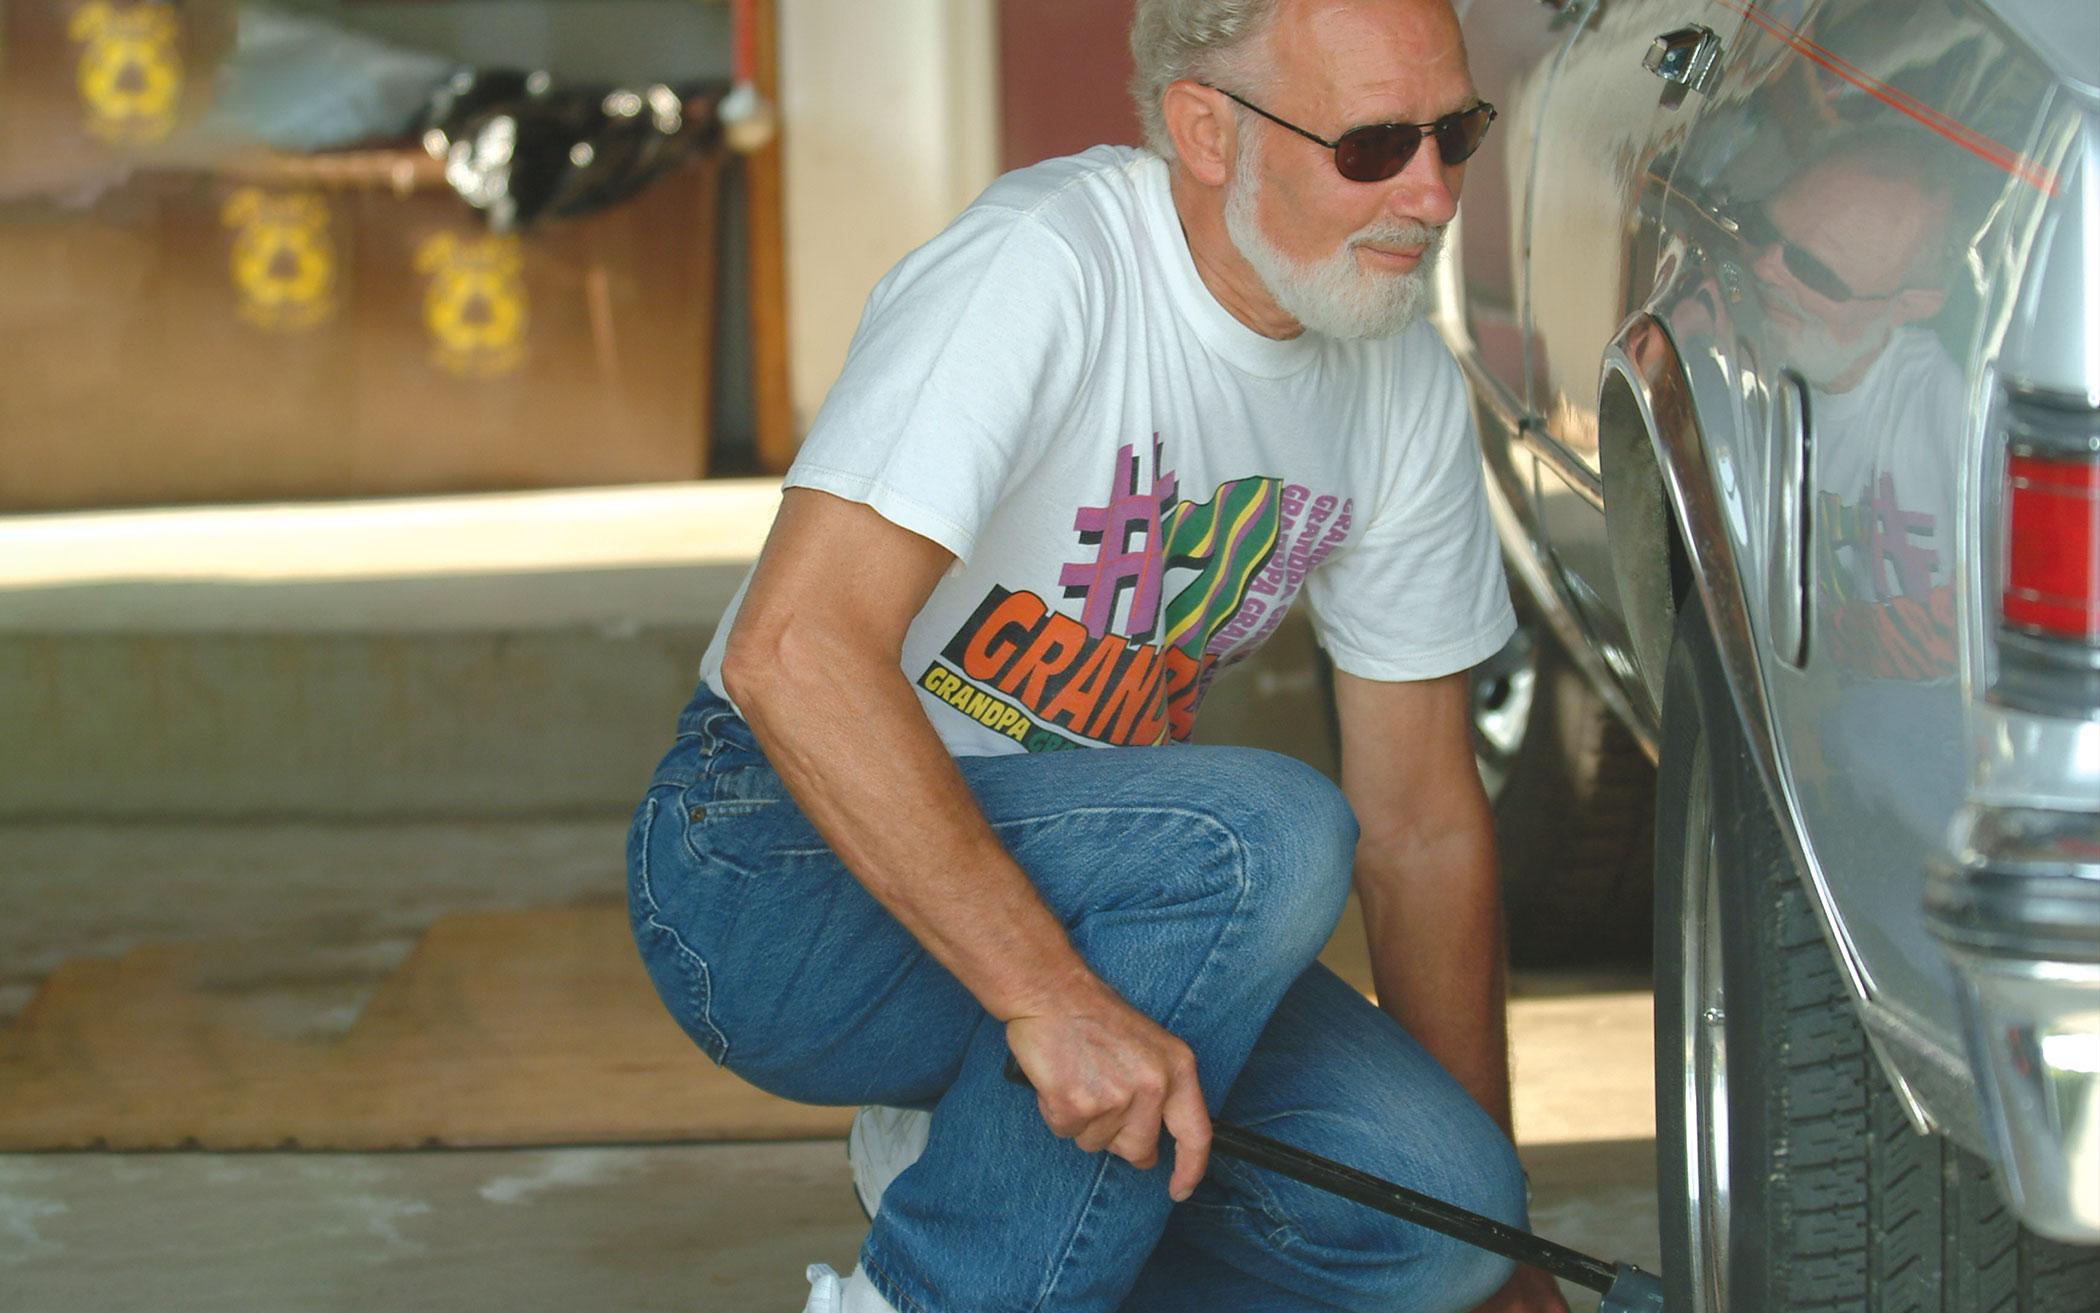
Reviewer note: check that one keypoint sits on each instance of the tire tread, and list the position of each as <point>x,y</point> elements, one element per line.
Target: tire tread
<point>1840,1203</point>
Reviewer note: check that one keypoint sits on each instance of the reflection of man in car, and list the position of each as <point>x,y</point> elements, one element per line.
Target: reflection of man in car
<point>1851,258</point>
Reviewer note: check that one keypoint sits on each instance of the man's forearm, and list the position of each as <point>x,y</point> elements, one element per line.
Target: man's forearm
<point>1433,918</point>
<point>883,791</point>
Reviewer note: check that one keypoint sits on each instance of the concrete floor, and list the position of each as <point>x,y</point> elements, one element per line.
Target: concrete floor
<point>688,1227</point>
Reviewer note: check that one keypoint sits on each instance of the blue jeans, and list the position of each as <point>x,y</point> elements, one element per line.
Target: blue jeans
<point>1200,882</point>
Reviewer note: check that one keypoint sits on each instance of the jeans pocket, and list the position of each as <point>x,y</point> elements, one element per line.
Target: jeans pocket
<point>708,826</point>
<point>680,973</point>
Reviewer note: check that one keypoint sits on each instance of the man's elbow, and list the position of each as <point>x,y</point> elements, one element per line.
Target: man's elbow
<point>752,664</point>
<point>772,656</point>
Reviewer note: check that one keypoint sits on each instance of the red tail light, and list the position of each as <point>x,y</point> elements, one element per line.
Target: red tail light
<point>2052,557</point>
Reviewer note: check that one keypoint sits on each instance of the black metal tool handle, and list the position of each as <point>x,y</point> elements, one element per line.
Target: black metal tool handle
<point>1409,1205</point>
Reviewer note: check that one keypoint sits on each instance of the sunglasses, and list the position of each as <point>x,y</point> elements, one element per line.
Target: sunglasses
<point>1759,232</point>
<point>1377,151</point>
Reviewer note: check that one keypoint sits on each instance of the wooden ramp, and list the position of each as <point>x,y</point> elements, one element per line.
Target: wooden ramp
<point>526,1027</point>
<point>501,1028</point>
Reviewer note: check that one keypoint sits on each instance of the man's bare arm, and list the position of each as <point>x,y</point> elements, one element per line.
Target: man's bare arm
<point>822,626</point>
<point>1425,874</point>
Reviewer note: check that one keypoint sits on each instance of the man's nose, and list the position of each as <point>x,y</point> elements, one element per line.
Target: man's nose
<point>1426,191</point>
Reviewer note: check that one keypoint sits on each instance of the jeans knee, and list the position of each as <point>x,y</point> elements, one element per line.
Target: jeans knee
<point>1300,837</point>
<point>1401,1264</point>
<point>1490,1182</point>
<point>1462,1276</point>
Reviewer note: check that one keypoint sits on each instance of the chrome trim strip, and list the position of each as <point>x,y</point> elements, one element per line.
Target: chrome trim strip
<point>1646,358</point>
<point>1565,463</point>
<point>1521,552</point>
<point>1787,598</point>
<point>1934,1084</point>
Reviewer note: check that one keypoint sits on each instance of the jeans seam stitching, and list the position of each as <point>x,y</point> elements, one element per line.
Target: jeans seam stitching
<point>703,991</point>
<point>1064,1256</point>
<point>910,1305</point>
<point>1209,818</point>
<point>1231,924</point>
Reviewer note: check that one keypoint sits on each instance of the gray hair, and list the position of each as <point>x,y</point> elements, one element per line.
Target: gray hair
<point>1202,39</point>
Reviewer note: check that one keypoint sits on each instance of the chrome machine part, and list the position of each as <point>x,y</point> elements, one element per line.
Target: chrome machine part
<point>1688,57</point>
<point>1703,1026</point>
<point>2019,917</point>
<point>1500,696</point>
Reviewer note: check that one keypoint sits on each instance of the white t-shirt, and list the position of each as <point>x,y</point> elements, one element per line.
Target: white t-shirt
<point>1887,499</point>
<point>1134,483</point>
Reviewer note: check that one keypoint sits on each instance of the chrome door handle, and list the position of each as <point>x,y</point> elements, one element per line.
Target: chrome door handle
<point>1689,57</point>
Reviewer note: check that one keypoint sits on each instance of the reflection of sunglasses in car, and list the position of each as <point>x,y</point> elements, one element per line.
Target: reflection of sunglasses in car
<point>1758,232</point>
<point>1377,151</point>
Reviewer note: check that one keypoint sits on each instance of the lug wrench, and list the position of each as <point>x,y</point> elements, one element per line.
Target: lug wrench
<point>1626,1288</point>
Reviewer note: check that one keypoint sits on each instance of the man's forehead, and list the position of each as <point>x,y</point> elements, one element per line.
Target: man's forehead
<point>1367,61</point>
<point>1864,224</point>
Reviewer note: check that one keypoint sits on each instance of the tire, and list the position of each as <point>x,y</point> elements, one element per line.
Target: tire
<point>1790,1178</point>
<point>1574,807</point>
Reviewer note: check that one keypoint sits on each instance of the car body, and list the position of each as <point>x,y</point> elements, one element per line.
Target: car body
<point>1790,309</point>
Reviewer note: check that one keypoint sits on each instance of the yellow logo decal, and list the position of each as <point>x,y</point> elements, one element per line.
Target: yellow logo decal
<point>474,305</point>
<point>283,258</point>
<point>130,69</point>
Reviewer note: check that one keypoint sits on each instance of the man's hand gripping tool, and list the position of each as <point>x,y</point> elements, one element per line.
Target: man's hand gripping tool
<point>1626,1288</point>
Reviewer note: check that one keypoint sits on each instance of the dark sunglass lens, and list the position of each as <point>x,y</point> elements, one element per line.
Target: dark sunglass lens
<point>1459,135</point>
<point>1759,232</point>
<point>1816,276</point>
<point>1376,153</point>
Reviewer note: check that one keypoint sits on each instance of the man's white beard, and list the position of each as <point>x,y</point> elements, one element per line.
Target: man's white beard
<point>1336,296</point>
<point>1813,349</point>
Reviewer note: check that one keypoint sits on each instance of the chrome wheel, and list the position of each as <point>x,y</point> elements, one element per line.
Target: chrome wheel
<point>1703,1027</point>
<point>1501,695</point>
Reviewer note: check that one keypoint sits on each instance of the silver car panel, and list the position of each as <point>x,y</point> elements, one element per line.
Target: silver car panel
<point>2052,344</point>
<point>2064,36</point>
<point>1606,150</point>
<point>1706,211</point>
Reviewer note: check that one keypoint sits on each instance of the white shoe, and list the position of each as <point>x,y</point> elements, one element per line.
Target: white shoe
<point>824,1294</point>
<point>831,1293</point>
<point>883,1142</point>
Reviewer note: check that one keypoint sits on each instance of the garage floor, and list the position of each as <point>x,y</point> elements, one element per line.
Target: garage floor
<point>329,912</point>
<point>696,1228</point>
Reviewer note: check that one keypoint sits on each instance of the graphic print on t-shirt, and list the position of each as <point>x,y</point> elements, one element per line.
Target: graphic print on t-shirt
<point>1134,663</point>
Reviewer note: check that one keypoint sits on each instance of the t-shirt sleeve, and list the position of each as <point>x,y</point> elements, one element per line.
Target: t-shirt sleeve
<point>964,360</point>
<point>1421,592</point>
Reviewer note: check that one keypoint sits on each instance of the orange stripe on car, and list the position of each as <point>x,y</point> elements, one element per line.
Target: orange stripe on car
<point>2014,163</point>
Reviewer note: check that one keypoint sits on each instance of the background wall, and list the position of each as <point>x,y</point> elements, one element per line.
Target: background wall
<point>892,127</point>
<point>1064,78</point>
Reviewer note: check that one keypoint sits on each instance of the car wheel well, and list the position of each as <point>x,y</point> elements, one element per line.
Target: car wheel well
<point>1649,561</point>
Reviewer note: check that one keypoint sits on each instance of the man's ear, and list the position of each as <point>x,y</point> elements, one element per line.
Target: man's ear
<point>1203,129</point>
